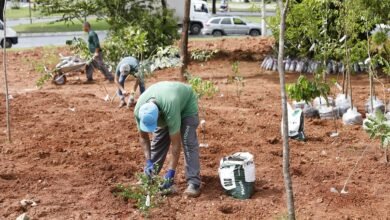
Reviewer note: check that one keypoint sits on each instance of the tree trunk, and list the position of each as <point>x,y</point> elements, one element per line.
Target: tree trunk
<point>164,9</point>
<point>184,40</point>
<point>7,107</point>
<point>286,148</point>
<point>214,9</point>
<point>2,7</point>
<point>164,4</point>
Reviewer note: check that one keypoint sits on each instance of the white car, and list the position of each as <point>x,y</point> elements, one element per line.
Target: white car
<point>11,38</point>
<point>228,25</point>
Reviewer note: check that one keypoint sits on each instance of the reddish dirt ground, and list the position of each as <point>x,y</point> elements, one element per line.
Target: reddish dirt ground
<point>69,161</point>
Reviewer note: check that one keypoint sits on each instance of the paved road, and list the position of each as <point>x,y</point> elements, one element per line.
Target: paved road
<point>51,40</point>
<point>15,22</point>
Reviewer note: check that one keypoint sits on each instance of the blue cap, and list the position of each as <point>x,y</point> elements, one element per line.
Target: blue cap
<point>148,114</point>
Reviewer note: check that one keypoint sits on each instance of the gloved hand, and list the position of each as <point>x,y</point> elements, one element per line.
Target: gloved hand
<point>149,168</point>
<point>124,93</point>
<point>168,179</point>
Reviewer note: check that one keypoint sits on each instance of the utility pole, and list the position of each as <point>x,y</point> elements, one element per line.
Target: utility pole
<point>263,25</point>
<point>29,10</point>
<point>7,108</point>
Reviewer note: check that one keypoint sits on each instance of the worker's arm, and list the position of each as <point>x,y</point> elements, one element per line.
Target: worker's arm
<point>97,45</point>
<point>116,79</point>
<point>145,144</point>
<point>175,150</point>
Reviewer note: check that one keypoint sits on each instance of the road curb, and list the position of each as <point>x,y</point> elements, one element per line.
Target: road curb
<point>74,33</point>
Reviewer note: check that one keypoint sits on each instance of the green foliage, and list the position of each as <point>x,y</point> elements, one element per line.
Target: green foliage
<point>138,28</point>
<point>79,46</point>
<point>43,79</point>
<point>165,57</point>
<point>380,47</point>
<point>307,90</point>
<point>323,23</point>
<point>130,41</point>
<point>202,87</point>
<point>147,194</point>
<point>203,55</point>
<point>378,127</point>
<point>50,58</point>
<point>70,9</point>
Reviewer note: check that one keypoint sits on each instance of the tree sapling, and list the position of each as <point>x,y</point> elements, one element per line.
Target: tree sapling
<point>147,194</point>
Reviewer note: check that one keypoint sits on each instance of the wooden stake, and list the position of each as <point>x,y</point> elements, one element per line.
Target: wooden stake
<point>286,147</point>
<point>6,78</point>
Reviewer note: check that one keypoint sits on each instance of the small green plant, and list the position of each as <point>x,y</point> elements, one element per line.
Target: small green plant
<point>50,58</point>
<point>147,194</point>
<point>379,127</point>
<point>203,55</point>
<point>238,79</point>
<point>43,79</point>
<point>202,87</point>
<point>79,46</point>
<point>306,90</point>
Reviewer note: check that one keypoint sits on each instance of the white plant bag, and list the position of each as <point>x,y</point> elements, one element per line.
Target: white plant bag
<point>377,104</point>
<point>352,117</point>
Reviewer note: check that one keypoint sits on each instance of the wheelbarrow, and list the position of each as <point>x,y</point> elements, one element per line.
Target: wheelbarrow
<point>67,65</point>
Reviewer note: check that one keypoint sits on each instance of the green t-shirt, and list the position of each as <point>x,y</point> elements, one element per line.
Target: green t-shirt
<point>175,101</point>
<point>93,41</point>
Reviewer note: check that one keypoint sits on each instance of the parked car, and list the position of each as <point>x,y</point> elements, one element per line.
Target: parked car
<point>227,25</point>
<point>11,38</point>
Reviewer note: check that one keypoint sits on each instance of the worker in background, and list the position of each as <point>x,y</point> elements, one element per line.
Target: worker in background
<point>97,58</point>
<point>128,66</point>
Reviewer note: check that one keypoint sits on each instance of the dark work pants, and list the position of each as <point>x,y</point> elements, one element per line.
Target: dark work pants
<point>161,142</point>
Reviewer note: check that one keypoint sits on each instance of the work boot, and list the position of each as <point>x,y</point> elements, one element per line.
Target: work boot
<point>88,81</point>
<point>192,190</point>
<point>122,104</point>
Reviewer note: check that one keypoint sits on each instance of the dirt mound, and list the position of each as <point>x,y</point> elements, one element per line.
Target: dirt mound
<point>248,48</point>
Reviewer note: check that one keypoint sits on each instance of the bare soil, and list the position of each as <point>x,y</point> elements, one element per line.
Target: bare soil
<point>70,148</point>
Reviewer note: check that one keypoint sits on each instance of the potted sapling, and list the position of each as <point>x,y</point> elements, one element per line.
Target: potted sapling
<point>304,91</point>
<point>379,127</point>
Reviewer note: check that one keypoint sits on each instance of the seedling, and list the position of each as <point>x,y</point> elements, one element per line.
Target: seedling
<point>203,55</point>
<point>238,80</point>
<point>202,88</point>
<point>50,59</point>
<point>147,194</point>
<point>379,127</point>
<point>79,46</point>
<point>306,90</point>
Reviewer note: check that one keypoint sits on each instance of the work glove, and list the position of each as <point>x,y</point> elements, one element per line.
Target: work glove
<point>124,93</point>
<point>149,168</point>
<point>168,180</point>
